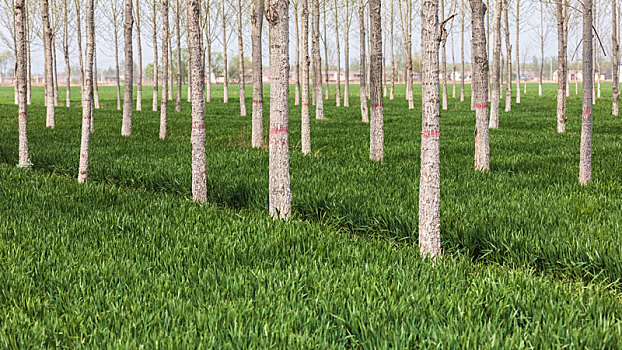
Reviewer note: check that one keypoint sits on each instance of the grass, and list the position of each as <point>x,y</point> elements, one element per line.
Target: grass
<point>531,259</point>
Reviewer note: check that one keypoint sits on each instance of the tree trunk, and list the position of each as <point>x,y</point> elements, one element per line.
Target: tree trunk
<point>87,97</point>
<point>508,47</point>
<point>542,31</point>
<point>257,117</point>
<point>297,59</point>
<point>496,77</point>
<point>615,58</point>
<point>47,46</point>
<point>338,90</point>
<point>22,79</point>
<point>376,125</point>
<point>55,71</point>
<point>346,53</point>
<point>197,138</point>
<point>408,71</point>
<point>79,36</point>
<point>305,123</point>
<point>224,54</point>
<point>517,52</point>
<point>95,82</point>
<point>156,62</point>
<point>363,70</point>
<point>317,61</point>
<point>280,197</point>
<point>392,89</point>
<point>66,54</point>
<point>325,51</point>
<point>480,85</point>
<point>462,53</point>
<point>178,75</point>
<point>561,64</point>
<point>241,82</point>
<point>208,54</point>
<point>29,66</point>
<point>585,157</point>
<point>430,181</point>
<point>139,87</point>
<point>116,59</point>
<point>165,49</point>
<point>128,93</point>
<point>188,72</point>
<point>444,62</point>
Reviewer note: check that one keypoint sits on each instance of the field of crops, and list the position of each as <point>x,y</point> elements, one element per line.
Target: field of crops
<point>530,258</point>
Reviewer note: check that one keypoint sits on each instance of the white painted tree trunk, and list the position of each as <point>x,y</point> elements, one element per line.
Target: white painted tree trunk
<point>517,52</point>
<point>280,196</point>
<point>128,93</point>
<point>430,182</point>
<point>95,83</point>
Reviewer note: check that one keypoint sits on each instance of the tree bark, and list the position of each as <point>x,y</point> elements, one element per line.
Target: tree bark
<point>305,123</point>
<point>165,49</point>
<point>171,88</point>
<point>517,52</point>
<point>280,197</point>
<point>241,82</point>
<point>317,61</point>
<point>224,44</point>
<point>325,75</point>
<point>156,62</point>
<point>29,66</point>
<point>496,77</point>
<point>363,70</point>
<point>338,90</point>
<point>444,61</point>
<point>508,47</point>
<point>615,58</point>
<point>55,70</point>
<point>139,87</point>
<point>87,97</point>
<point>430,182</point>
<point>178,75</point>
<point>128,93</point>
<point>392,89</point>
<point>542,37</point>
<point>257,117</point>
<point>66,54</point>
<point>95,77</point>
<point>585,157</point>
<point>376,126</point>
<point>297,59</point>
<point>561,64</point>
<point>49,78</point>
<point>22,80</point>
<point>346,53</point>
<point>79,37</point>
<point>197,138</point>
<point>462,10</point>
<point>208,53</point>
<point>480,85</point>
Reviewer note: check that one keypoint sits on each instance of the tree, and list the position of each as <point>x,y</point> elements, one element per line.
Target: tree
<point>346,52</point>
<point>257,117</point>
<point>615,58</point>
<point>392,44</point>
<point>430,182</point>
<point>154,28</point>
<point>297,58</point>
<point>209,37</point>
<point>21,70</point>
<point>241,61</point>
<point>78,4</point>
<point>508,47</point>
<point>114,16</point>
<point>562,46</point>
<point>128,93</point>
<point>543,32</point>
<point>517,51</point>
<point>197,138</point>
<point>165,50</point>
<point>66,54</point>
<point>95,85</point>
<point>496,76</point>
<point>363,70</point>
<point>444,62</point>
<point>139,87</point>
<point>87,97</point>
<point>177,11</point>
<point>585,156</point>
<point>338,92</point>
<point>224,50</point>
<point>317,60</point>
<point>325,50</point>
<point>280,196</point>
<point>376,125</point>
<point>462,12</point>
<point>406,22</point>
<point>480,85</point>
<point>49,78</point>
<point>305,122</point>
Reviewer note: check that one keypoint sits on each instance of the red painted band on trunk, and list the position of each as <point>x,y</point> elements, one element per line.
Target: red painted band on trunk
<point>430,133</point>
<point>163,102</point>
<point>282,129</point>
<point>587,112</point>
<point>375,105</point>
<point>257,102</point>
<point>481,105</point>
<point>306,104</point>
<point>23,113</point>
<point>86,117</point>
<point>198,127</point>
